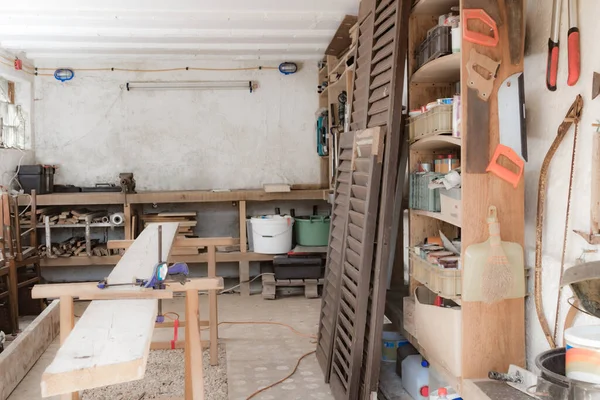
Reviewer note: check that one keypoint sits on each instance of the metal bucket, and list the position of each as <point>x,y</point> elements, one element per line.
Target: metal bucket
<point>555,385</point>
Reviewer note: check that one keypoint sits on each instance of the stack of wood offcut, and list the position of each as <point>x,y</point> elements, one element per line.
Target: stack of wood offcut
<point>187,221</point>
<point>69,217</point>
<point>75,246</point>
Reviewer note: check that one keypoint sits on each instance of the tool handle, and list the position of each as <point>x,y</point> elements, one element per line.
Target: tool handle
<point>503,173</point>
<point>552,68</point>
<point>476,37</point>
<point>179,268</point>
<point>574,56</point>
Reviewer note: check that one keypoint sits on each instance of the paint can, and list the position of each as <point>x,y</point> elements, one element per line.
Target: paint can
<point>582,361</point>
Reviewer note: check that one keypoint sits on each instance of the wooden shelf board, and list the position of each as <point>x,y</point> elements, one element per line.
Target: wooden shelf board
<point>199,196</point>
<point>77,261</point>
<point>185,196</point>
<point>436,215</point>
<point>68,199</point>
<point>93,225</point>
<point>437,142</point>
<point>445,69</point>
<point>195,258</point>
<point>433,7</point>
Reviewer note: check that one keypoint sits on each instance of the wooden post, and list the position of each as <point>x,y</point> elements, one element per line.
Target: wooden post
<point>13,294</point>
<point>244,265</point>
<point>128,226</point>
<point>213,310</point>
<point>33,235</point>
<point>194,376</point>
<point>67,321</point>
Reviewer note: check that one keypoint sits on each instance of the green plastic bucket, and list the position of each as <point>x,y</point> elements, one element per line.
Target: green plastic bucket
<point>312,230</point>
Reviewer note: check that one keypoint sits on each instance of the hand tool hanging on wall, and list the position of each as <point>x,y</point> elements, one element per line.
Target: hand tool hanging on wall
<point>516,26</point>
<point>322,127</point>
<point>573,116</point>
<point>572,42</point>
<point>476,37</point>
<point>566,231</point>
<point>513,137</point>
<point>480,89</point>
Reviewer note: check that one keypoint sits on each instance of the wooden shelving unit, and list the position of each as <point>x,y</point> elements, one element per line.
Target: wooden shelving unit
<point>132,205</point>
<point>492,334</point>
<point>329,96</point>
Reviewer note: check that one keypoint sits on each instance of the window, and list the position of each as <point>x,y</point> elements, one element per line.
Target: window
<point>12,120</point>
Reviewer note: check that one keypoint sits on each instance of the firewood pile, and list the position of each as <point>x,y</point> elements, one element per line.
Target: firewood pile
<point>75,246</point>
<point>69,217</point>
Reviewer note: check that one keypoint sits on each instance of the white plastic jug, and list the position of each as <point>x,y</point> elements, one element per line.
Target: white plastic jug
<point>415,377</point>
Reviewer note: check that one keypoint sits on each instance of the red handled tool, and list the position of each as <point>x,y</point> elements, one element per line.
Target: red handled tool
<point>476,37</point>
<point>503,173</point>
<point>572,42</point>
<point>573,45</point>
<point>552,68</point>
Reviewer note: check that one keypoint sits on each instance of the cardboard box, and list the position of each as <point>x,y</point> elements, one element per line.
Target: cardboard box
<point>451,204</point>
<point>439,331</point>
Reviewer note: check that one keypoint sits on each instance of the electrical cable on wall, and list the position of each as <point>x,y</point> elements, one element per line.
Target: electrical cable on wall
<point>285,68</point>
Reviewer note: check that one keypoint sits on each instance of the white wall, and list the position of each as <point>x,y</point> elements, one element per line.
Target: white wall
<point>545,111</point>
<point>10,158</point>
<point>93,129</point>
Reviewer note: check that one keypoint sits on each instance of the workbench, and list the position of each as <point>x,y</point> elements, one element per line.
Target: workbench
<point>132,205</point>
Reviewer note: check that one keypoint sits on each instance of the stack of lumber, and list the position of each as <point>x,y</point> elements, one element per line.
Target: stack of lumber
<point>187,221</point>
<point>57,217</point>
<point>75,246</point>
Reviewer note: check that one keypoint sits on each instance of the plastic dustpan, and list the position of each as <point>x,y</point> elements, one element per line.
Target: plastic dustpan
<point>584,280</point>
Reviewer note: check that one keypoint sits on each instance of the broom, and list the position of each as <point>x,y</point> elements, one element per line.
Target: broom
<point>497,279</point>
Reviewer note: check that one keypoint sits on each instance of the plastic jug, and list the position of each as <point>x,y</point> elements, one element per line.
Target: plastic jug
<point>415,377</point>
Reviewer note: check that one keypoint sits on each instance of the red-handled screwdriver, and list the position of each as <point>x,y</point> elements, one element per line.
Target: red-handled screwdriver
<point>573,45</point>
<point>552,67</point>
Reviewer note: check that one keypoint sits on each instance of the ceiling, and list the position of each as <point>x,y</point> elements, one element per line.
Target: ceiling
<point>175,29</point>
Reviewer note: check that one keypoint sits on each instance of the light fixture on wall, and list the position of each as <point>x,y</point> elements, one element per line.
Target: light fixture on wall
<point>192,85</point>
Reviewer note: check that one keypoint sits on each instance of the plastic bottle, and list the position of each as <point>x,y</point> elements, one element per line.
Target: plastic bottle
<point>415,377</point>
<point>442,394</point>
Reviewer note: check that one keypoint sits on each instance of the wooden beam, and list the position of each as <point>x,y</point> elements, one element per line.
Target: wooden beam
<point>212,308</point>
<point>109,345</point>
<point>180,344</point>
<point>178,242</point>
<point>235,256</point>
<point>244,266</point>
<point>18,358</point>
<point>67,321</point>
<point>194,376</point>
<point>202,196</point>
<point>90,290</point>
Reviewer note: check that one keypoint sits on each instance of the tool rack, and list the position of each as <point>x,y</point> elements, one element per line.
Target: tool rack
<point>493,335</point>
<point>132,206</point>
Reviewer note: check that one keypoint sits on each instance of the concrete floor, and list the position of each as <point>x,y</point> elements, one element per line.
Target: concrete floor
<point>256,354</point>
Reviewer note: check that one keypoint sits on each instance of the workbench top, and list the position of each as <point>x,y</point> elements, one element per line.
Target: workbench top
<point>180,196</point>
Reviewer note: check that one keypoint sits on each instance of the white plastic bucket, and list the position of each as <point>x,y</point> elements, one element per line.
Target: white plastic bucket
<point>272,234</point>
<point>582,361</point>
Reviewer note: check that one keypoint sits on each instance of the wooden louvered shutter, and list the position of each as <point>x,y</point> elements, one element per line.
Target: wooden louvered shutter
<point>357,261</point>
<point>385,108</point>
<point>360,92</point>
<point>330,296</point>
